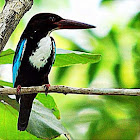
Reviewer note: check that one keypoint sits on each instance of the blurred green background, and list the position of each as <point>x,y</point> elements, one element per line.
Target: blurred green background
<point>117,39</point>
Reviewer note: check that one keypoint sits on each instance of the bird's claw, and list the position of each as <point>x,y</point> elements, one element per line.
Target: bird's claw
<point>18,89</point>
<point>46,86</point>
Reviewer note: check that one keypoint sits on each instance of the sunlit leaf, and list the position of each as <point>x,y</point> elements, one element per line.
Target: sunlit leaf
<point>117,68</point>
<point>136,55</point>
<point>92,71</point>
<point>61,72</point>
<point>2,4</point>
<point>105,2</point>
<point>135,22</point>
<point>37,2</point>
<point>8,125</point>
<point>43,123</point>
<point>66,58</point>
<point>63,57</point>
<point>4,83</point>
<point>49,102</point>
<point>6,57</point>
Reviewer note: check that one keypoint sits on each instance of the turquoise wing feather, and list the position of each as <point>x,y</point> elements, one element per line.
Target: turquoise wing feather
<point>18,58</point>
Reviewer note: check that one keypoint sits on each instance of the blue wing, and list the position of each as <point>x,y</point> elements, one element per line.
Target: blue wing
<point>18,58</point>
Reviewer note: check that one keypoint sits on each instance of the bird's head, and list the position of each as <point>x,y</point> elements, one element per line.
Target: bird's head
<point>47,22</point>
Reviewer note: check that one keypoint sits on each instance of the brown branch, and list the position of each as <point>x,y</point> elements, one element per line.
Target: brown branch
<point>71,90</point>
<point>10,16</point>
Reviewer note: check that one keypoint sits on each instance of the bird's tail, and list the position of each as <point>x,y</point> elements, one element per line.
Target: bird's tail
<point>25,110</point>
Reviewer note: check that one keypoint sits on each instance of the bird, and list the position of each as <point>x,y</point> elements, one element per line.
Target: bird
<point>34,57</point>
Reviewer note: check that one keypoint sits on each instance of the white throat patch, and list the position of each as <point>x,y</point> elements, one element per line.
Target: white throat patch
<point>39,57</point>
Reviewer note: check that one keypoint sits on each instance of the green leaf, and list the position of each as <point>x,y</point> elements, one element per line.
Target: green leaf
<point>8,125</point>
<point>61,72</point>
<point>9,101</point>
<point>66,58</point>
<point>91,74</point>
<point>6,57</point>
<point>49,102</point>
<point>2,4</point>
<point>106,2</point>
<point>63,57</point>
<point>136,56</point>
<point>4,83</point>
<point>135,22</point>
<point>43,123</point>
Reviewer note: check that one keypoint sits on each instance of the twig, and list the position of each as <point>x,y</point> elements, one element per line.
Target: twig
<point>72,90</point>
<point>10,16</point>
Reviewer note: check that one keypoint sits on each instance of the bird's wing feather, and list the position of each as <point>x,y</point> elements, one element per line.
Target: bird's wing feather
<point>18,58</point>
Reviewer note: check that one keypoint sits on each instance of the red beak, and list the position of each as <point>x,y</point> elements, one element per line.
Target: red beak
<point>71,24</point>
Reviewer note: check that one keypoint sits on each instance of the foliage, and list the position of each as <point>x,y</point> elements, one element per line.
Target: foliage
<point>63,57</point>
<point>43,123</point>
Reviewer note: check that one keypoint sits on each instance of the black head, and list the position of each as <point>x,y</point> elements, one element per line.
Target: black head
<point>46,22</point>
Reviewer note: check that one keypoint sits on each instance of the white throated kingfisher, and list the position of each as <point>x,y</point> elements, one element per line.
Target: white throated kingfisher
<point>34,57</point>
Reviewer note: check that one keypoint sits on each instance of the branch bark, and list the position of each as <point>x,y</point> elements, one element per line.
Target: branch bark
<point>10,16</point>
<point>71,90</point>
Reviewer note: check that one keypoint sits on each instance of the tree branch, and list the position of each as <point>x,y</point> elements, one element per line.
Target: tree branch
<point>71,90</point>
<point>10,16</point>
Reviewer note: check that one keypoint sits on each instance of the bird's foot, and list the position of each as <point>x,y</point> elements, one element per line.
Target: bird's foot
<point>46,86</point>
<point>18,89</point>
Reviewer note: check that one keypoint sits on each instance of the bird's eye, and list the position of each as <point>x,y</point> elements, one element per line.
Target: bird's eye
<point>52,19</point>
